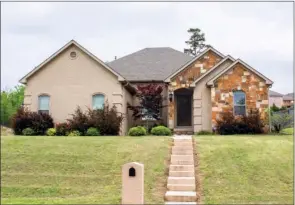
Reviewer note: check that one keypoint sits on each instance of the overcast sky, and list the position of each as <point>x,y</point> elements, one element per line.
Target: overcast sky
<point>259,33</point>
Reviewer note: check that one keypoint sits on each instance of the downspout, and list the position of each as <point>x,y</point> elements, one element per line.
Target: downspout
<point>269,111</point>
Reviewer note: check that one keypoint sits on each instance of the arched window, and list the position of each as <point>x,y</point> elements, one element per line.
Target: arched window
<point>97,101</point>
<point>43,104</point>
<point>239,103</point>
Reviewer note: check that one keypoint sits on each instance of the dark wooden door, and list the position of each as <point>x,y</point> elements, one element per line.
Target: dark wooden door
<point>184,110</point>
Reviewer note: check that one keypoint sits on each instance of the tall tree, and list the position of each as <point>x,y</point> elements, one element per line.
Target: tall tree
<point>11,100</point>
<point>196,42</point>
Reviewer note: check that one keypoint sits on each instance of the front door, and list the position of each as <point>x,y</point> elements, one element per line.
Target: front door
<point>184,110</point>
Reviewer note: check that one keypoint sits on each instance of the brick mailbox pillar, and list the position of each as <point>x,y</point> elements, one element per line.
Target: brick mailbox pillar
<point>133,183</point>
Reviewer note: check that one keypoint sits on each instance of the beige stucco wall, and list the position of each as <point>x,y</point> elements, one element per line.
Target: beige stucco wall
<point>70,83</point>
<point>202,106</point>
<point>278,101</point>
<point>128,120</point>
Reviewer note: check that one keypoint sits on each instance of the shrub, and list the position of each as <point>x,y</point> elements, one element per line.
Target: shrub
<point>75,133</point>
<point>24,118</point>
<point>137,131</point>
<point>281,121</point>
<point>106,120</point>
<point>28,131</point>
<point>62,129</point>
<point>205,132</point>
<point>250,124</point>
<point>51,132</point>
<point>79,121</point>
<point>92,131</point>
<point>161,130</point>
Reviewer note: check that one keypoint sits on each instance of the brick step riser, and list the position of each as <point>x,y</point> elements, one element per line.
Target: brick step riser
<point>181,198</point>
<point>176,187</point>
<point>181,181</point>
<point>181,168</point>
<point>182,174</point>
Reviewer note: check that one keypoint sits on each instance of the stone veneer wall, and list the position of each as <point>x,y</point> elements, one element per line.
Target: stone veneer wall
<point>238,78</point>
<point>188,76</point>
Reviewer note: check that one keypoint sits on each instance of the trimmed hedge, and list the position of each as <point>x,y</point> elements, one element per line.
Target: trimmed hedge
<point>51,132</point>
<point>92,131</point>
<point>137,131</point>
<point>161,131</point>
<point>28,132</point>
<point>75,133</point>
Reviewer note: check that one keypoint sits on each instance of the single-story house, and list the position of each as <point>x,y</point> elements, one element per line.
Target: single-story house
<point>197,88</point>
<point>275,98</point>
<point>288,99</point>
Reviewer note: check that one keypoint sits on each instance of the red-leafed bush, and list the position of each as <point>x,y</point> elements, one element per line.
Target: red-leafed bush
<point>107,120</point>
<point>62,129</point>
<point>38,122</point>
<point>248,124</point>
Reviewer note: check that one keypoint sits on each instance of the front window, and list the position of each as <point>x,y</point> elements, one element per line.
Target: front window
<point>239,103</point>
<point>43,104</point>
<point>97,101</point>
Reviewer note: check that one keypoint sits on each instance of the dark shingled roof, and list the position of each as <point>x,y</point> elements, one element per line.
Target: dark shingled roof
<point>150,64</point>
<point>274,94</point>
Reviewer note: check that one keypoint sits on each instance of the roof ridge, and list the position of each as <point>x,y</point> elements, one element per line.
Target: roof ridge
<point>126,55</point>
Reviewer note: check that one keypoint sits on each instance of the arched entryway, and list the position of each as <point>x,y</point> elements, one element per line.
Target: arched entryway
<point>183,104</point>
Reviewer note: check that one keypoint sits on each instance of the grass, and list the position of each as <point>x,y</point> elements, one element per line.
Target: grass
<point>246,169</point>
<point>78,170</point>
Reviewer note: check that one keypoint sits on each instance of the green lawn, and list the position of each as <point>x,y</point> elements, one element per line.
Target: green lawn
<point>78,169</point>
<point>246,169</point>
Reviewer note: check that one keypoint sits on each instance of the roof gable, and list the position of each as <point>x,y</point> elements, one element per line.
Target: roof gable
<point>210,48</point>
<point>58,52</point>
<point>212,81</point>
<point>228,57</point>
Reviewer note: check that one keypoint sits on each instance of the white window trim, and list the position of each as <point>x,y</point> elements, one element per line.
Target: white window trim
<point>41,95</point>
<point>239,105</point>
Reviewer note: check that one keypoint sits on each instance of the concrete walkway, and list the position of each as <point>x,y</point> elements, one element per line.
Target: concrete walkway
<point>181,181</point>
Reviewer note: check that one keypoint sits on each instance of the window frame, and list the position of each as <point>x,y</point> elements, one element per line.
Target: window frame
<point>234,104</point>
<point>92,97</point>
<point>44,111</point>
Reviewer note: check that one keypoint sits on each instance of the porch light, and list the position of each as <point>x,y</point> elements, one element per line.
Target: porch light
<point>170,96</point>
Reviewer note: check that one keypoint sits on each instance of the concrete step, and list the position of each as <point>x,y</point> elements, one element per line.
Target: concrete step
<point>182,141</point>
<point>182,144</point>
<point>181,180</point>
<point>181,187</point>
<point>182,157</point>
<point>181,173</point>
<point>181,196</point>
<point>182,152</point>
<point>182,148</point>
<point>182,162</point>
<point>181,168</point>
<point>180,203</point>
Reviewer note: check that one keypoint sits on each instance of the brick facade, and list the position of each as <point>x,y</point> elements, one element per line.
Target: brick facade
<point>238,78</point>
